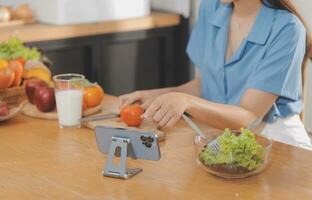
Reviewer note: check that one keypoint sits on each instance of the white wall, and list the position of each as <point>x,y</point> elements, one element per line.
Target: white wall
<point>194,12</point>
<point>176,6</point>
<point>308,102</point>
<point>305,6</point>
<point>13,2</point>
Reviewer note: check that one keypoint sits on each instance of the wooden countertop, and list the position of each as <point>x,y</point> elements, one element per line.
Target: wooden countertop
<point>42,32</point>
<point>40,161</point>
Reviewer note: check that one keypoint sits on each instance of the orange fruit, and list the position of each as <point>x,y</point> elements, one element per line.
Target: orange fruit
<point>3,64</point>
<point>6,78</point>
<point>21,60</point>
<point>93,95</point>
<point>17,68</point>
<point>84,105</point>
<point>131,115</point>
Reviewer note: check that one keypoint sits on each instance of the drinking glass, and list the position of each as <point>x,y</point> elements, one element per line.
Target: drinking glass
<point>69,97</point>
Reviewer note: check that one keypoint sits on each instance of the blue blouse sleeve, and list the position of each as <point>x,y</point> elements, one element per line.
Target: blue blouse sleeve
<point>279,72</point>
<point>196,48</point>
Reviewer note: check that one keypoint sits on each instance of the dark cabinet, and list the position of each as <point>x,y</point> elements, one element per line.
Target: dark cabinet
<point>131,65</point>
<point>124,62</point>
<point>70,59</point>
<point>136,61</point>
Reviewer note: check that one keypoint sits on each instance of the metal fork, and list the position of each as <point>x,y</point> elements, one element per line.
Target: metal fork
<point>214,145</point>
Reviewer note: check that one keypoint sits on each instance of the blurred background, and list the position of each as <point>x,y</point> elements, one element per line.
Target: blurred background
<point>305,6</point>
<point>123,45</point>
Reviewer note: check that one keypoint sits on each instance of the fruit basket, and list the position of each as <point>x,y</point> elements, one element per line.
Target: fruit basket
<point>13,95</point>
<point>241,153</point>
<point>14,56</point>
<point>14,99</point>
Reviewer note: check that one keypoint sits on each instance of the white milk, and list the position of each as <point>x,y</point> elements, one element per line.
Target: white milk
<point>69,107</point>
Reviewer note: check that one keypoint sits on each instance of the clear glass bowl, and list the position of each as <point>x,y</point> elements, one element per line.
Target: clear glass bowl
<point>230,170</point>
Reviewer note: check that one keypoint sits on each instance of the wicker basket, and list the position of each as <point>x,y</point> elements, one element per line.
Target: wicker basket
<point>16,100</point>
<point>13,96</point>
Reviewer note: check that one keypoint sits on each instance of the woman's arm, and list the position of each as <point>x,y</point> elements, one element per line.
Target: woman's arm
<point>146,97</point>
<point>254,104</point>
<point>191,88</point>
<point>167,109</point>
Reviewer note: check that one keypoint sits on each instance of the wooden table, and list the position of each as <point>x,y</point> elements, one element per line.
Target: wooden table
<point>40,161</point>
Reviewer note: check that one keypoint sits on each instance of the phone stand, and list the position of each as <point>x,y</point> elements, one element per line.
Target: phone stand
<point>119,145</point>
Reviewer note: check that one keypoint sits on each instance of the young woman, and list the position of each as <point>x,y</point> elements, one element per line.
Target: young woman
<point>250,55</point>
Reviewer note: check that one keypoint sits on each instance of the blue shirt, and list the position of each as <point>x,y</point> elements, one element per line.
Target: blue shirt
<point>269,58</point>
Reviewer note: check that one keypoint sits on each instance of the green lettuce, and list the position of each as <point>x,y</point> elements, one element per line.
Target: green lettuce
<point>14,48</point>
<point>241,151</point>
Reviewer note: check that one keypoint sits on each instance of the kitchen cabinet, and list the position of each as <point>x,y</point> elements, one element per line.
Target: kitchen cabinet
<point>122,62</point>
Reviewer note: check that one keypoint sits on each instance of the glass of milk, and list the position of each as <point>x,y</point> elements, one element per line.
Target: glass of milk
<point>69,97</point>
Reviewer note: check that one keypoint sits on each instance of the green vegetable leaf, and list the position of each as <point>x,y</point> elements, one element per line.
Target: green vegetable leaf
<point>241,151</point>
<point>14,48</point>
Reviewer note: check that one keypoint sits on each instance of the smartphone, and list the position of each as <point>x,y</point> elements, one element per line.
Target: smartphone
<point>143,144</point>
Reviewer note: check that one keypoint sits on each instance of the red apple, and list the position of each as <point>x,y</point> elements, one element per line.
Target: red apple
<point>4,109</point>
<point>31,86</point>
<point>44,99</point>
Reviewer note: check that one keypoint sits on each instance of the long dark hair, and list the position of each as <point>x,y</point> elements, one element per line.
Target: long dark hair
<point>288,5</point>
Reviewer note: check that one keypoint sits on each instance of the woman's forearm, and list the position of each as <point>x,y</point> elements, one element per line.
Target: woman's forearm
<point>191,88</point>
<point>219,115</point>
<point>146,97</point>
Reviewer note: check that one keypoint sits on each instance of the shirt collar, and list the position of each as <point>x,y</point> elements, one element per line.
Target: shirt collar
<point>262,28</point>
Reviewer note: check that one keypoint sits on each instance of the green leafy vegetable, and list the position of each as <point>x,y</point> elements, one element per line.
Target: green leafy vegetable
<point>241,151</point>
<point>14,48</point>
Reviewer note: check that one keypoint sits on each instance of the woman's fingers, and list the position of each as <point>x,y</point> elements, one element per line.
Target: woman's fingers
<point>152,109</point>
<point>160,114</point>
<point>129,99</point>
<point>122,99</point>
<point>147,103</point>
<point>164,121</point>
<point>172,121</point>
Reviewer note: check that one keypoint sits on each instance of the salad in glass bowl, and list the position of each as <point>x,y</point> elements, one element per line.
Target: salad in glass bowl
<point>241,153</point>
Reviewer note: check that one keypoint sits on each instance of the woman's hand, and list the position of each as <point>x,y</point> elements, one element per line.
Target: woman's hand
<point>167,109</point>
<point>144,97</point>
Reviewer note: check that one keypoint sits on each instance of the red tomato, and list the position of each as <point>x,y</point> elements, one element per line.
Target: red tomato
<point>131,115</point>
